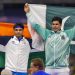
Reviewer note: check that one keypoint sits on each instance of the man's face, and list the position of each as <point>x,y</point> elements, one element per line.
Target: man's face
<point>18,32</point>
<point>56,26</point>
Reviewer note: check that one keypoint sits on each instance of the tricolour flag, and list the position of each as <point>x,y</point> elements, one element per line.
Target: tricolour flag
<point>43,15</point>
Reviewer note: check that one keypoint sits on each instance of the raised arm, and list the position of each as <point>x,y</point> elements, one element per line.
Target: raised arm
<point>39,29</point>
<point>71,33</point>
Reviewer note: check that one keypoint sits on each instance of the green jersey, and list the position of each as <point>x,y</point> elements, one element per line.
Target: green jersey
<point>57,45</point>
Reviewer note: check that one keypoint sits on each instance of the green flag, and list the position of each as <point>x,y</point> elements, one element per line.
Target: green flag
<point>43,15</point>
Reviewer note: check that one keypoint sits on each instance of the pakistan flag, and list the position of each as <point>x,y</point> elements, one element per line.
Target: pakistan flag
<point>68,16</point>
<point>43,15</point>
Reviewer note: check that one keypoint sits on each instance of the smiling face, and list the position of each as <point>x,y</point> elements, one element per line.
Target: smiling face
<point>56,26</point>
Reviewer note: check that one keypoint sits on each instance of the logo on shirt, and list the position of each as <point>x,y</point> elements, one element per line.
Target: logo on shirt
<point>63,37</point>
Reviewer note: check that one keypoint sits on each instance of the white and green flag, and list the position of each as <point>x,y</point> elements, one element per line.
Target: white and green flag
<point>43,15</point>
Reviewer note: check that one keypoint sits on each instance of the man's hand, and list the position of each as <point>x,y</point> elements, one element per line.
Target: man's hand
<point>30,71</point>
<point>26,8</point>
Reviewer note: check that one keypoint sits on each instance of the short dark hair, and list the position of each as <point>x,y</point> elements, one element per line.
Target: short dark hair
<point>18,25</point>
<point>38,62</point>
<point>56,18</point>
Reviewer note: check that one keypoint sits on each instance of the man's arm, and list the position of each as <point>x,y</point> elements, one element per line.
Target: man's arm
<point>2,48</point>
<point>71,33</point>
<point>39,29</point>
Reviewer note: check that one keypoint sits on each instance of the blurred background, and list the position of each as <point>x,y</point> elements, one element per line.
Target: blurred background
<point>11,12</point>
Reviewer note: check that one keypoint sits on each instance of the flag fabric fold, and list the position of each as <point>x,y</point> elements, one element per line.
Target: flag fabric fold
<point>43,15</point>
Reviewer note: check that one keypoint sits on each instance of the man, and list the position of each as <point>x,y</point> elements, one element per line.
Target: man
<point>57,43</point>
<point>37,67</point>
<point>17,52</point>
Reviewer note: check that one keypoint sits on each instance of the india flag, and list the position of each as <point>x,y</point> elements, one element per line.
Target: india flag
<point>43,15</point>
